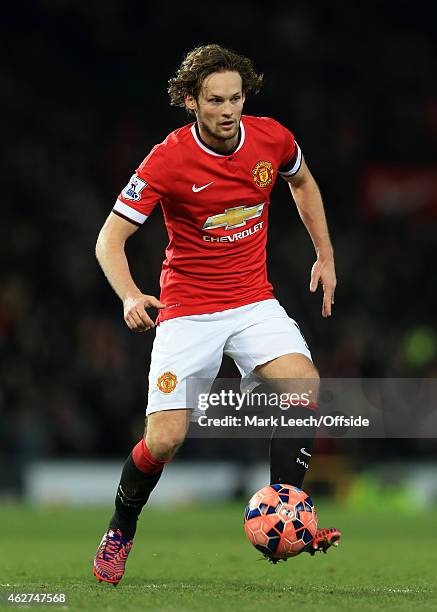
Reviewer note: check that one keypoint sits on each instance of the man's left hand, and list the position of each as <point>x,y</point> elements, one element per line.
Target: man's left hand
<point>323,271</point>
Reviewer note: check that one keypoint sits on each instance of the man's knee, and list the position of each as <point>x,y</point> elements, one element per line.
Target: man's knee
<point>308,378</point>
<point>163,446</point>
<point>307,369</point>
<point>165,433</point>
<point>291,373</point>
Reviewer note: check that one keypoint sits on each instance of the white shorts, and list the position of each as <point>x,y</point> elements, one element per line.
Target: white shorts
<point>192,347</point>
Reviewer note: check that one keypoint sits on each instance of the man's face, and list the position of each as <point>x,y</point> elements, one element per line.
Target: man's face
<point>219,106</point>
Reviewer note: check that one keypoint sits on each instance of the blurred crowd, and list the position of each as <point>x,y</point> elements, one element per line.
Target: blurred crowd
<point>83,90</point>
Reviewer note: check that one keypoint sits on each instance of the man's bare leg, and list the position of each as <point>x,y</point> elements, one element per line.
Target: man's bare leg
<point>165,432</point>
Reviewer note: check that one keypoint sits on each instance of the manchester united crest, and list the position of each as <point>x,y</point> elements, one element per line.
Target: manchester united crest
<point>263,173</point>
<point>167,382</point>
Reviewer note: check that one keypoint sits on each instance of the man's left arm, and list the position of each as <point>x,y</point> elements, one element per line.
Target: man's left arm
<point>309,202</point>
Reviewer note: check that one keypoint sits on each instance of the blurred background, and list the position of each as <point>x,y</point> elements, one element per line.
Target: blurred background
<point>83,94</point>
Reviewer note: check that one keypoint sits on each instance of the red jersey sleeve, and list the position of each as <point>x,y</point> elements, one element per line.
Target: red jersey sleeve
<point>291,158</point>
<point>143,191</point>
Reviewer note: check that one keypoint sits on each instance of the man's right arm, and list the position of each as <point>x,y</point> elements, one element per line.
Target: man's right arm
<point>111,255</point>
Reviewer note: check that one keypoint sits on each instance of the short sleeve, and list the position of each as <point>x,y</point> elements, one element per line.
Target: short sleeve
<point>292,155</point>
<point>141,194</point>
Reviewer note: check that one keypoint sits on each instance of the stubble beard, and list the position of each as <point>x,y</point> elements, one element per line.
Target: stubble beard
<point>217,135</point>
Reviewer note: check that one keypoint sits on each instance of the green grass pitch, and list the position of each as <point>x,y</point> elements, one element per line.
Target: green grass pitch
<point>197,558</point>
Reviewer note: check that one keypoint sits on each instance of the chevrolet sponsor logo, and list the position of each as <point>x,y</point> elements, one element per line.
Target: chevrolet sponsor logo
<point>234,217</point>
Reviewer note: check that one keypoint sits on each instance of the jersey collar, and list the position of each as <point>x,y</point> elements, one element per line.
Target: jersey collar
<point>207,149</point>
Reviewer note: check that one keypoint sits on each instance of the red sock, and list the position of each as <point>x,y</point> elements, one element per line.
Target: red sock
<point>145,461</point>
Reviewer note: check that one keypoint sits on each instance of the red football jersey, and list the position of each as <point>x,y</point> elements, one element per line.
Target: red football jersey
<point>216,210</point>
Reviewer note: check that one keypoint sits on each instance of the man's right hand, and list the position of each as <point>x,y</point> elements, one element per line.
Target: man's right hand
<point>135,315</point>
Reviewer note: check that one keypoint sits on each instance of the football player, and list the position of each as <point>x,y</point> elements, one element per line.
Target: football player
<point>213,179</point>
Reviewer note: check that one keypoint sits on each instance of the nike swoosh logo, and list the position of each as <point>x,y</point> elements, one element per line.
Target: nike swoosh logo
<point>303,451</point>
<point>196,189</point>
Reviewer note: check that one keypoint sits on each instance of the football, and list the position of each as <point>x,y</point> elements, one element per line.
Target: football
<point>280,521</point>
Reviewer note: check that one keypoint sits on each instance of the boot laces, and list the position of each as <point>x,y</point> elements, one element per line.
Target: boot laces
<point>113,545</point>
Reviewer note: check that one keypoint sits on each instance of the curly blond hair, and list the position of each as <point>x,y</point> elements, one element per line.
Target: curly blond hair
<point>203,61</point>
